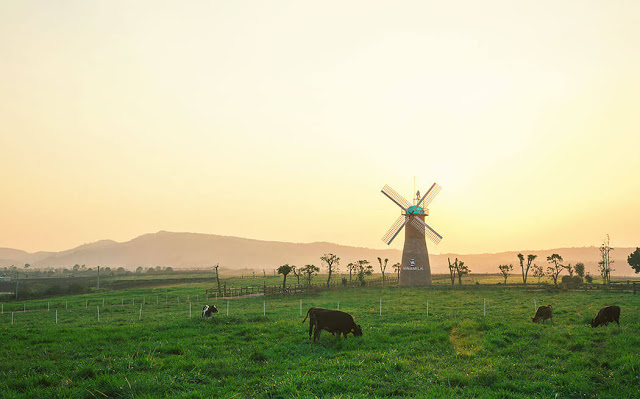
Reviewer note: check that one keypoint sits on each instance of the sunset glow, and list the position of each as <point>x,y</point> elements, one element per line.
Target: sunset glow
<point>283,120</point>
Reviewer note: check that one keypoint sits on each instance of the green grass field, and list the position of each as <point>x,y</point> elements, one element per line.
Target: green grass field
<point>455,351</point>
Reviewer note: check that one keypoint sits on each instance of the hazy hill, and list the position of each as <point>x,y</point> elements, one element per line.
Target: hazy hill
<point>190,250</point>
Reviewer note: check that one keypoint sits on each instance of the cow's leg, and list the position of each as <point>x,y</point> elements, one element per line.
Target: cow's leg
<point>316,334</point>
<point>310,328</point>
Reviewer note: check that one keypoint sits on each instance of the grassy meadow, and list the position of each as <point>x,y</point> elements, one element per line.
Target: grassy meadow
<point>453,351</point>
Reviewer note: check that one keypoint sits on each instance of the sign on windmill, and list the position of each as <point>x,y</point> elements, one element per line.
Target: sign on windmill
<point>414,268</point>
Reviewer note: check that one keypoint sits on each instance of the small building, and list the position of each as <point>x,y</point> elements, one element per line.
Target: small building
<point>5,278</point>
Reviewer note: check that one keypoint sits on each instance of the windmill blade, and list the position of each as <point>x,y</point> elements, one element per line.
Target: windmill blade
<point>395,229</point>
<point>429,195</point>
<point>426,230</point>
<point>395,197</point>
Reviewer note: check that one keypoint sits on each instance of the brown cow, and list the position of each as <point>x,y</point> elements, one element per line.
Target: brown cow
<point>311,314</point>
<point>333,321</point>
<point>543,313</point>
<point>606,315</point>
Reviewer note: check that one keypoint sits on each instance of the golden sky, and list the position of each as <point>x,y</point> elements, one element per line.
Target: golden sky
<point>282,120</point>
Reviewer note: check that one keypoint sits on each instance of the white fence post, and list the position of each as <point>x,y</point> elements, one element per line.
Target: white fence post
<point>301,307</point>
<point>98,307</point>
<point>535,304</point>
<point>66,304</point>
<point>264,308</point>
<point>380,306</point>
<point>189,309</point>
<point>140,317</point>
<point>227,307</point>
<point>3,308</point>
<point>338,305</point>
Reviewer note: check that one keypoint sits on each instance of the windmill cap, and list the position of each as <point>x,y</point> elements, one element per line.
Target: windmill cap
<point>415,210</point>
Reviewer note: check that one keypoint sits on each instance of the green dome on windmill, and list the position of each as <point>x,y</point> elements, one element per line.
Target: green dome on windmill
<point>415,210</point>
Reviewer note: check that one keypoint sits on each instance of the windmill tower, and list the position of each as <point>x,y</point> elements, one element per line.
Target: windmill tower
<point>415,268</point>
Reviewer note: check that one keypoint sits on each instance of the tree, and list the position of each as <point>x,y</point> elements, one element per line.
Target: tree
<point>284,270</point>
<point>538,272</point>
<point>461,270</point>
<point>530,259</point>
<point>138,269</point>
<point>383,268</point>
<point>396,268</point>
<point>505,269</point>
<point>352,269</point>
<point>452,270</point>
<point>555,267</point>
<point>579,268</point>
<point>605,263</point>
<point>296,273</point>
<point>634,260</point>
<point>26,265</point>
<point>76,267</point>
<point>569,269</point>
<point>521,259</point>
<point>310,270</point>
<point>332,262</point>
<point>364,269</point>
<point>525,270</point>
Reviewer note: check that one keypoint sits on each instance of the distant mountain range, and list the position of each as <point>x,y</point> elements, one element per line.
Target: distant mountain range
<point>192,250</point>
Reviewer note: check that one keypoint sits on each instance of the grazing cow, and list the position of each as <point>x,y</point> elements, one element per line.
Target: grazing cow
<point>311,314</point>
<point>207,311</point>
<point>543,313</point>
<point>606,315</point>
<point>333,321</point>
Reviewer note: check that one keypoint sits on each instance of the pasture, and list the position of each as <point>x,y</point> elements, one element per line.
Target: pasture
<point>454,351</point>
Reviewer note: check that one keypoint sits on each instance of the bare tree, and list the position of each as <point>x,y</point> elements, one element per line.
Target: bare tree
<point>605,263</point>
<point>452,270</point>
<point>218,278</point>
<point>383,268</point>
<point>555,267</point>
<point>525,270</point>
<point>332,262</point>
<point>505,269</point>
<point>296,273</point>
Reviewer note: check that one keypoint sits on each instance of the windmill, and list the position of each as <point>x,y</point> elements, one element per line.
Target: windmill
<point>415,268</point>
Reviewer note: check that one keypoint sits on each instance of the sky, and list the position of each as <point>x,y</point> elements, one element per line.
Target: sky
<point>282,120</point>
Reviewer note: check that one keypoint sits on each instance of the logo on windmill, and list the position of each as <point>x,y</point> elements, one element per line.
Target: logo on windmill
<point>414,268</point>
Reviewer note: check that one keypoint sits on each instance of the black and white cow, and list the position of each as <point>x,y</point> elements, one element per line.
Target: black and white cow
<point>208,310</point>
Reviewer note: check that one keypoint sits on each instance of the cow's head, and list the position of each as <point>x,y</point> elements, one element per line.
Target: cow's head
<point>594,323</point>
<point>213,309</point>
<point>357,331</point>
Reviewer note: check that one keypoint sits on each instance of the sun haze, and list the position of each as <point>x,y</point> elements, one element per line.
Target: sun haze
<point>283,120</point>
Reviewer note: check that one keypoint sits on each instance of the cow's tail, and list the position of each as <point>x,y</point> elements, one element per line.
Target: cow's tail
<point>305,318</point>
